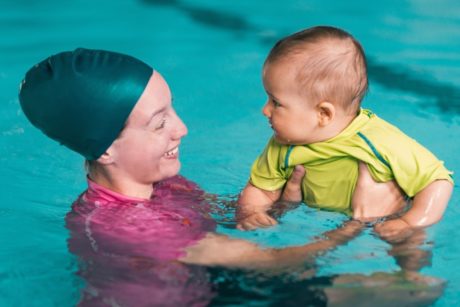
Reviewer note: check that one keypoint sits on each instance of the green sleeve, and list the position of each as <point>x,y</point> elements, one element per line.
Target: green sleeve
<point>414,167</point>
<point>266,172</point>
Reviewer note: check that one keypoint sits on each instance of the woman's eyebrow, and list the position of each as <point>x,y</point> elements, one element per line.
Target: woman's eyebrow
<point>162,110</point>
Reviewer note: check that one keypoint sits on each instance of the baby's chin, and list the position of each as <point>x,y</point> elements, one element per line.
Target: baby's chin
<point>280,139</point>
<point>286,141</point>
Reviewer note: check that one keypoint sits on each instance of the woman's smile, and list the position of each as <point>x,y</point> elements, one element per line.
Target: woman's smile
<point>173,153</point>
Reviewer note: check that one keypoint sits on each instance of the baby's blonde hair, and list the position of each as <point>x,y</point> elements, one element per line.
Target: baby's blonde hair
<point>332,65</point>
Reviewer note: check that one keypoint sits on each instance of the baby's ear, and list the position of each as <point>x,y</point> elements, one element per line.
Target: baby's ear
<point>326,113</point>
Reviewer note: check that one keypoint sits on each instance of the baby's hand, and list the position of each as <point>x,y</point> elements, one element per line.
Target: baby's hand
<point>394,231</point>
<point>255,220</point>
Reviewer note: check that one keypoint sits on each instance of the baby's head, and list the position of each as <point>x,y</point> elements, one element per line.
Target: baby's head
<point>315,80</point>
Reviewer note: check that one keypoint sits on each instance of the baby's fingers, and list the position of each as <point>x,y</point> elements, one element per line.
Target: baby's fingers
<point>264,220</point>
<point>249,226</point>
<point>256,221</point>
<point>245,226</point>
<point>391,234</point>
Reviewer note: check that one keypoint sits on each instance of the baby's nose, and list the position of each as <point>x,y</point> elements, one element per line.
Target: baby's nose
<point>266,110</point>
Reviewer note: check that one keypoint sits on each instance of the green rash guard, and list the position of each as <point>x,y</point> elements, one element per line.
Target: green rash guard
<point>332,165</point>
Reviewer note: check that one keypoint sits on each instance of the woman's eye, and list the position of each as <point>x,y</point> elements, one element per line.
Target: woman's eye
<point>161,125</point>
<point>276,103</point>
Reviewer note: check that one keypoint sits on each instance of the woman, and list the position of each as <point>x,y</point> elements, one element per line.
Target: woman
<point>137,214</point>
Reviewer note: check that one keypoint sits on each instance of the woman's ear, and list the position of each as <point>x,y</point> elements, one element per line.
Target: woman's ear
<point>107,157</point>
<point>326,113</point>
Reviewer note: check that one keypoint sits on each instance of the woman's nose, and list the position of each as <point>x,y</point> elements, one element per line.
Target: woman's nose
<point>181,129</point>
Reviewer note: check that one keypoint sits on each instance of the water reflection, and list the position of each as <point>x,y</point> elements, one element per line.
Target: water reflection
<point>447,97</point>
<point>378,289</point>
<point>207,16</point>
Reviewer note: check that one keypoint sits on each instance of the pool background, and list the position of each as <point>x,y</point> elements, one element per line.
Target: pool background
<point>211,55</point>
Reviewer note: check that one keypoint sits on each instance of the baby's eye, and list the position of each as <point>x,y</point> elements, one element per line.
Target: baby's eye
<point>276,103</point>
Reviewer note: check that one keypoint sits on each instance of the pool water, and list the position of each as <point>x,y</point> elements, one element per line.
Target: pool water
<point>211,53</point>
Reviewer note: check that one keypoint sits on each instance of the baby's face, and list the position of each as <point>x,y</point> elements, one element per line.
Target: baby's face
<point>292,115</point>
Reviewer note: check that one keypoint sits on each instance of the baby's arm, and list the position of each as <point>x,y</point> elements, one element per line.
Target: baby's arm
<point>428,208</point>
<point>254,203</point>
<point>422,176</point>
<point>429,204</point>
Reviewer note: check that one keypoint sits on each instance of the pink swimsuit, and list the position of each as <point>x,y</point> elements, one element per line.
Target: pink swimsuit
<point>129,247</point>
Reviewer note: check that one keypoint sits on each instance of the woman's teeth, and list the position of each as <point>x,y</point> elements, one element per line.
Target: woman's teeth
<point>172,153</point>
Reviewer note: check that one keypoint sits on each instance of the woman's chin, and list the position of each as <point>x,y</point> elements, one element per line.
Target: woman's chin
<point>172,170</point>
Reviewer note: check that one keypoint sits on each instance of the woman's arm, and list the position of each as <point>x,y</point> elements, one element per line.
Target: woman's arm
<point>219,250</point>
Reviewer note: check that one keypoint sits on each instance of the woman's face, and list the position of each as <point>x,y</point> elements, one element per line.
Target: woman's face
<point>147,149</point>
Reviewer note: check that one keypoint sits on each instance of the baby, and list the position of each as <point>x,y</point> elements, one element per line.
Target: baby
<point>315,81</point>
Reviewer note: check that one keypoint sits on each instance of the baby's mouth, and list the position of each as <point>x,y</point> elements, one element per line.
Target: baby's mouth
<point>173,153</point>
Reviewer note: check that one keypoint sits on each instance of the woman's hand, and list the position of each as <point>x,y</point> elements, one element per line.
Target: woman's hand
<point>373,199</point>
<point>292,192</point>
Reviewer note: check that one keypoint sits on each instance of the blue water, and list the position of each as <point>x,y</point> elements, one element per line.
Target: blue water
<point>211,54</point>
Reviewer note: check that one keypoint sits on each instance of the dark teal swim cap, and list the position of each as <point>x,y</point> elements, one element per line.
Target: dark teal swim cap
<point>83,98</point>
